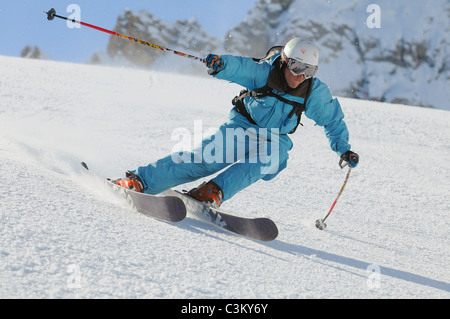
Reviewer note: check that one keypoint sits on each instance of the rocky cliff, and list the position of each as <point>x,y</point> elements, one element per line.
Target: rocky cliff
<point>395,51</point>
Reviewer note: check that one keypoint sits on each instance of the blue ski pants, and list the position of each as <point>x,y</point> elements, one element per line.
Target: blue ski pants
<point>244,154</point>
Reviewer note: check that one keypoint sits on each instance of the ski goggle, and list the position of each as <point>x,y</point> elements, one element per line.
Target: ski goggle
<point>299,68</point>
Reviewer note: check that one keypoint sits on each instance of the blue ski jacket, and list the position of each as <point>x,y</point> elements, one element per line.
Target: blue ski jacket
<point>269,112</point>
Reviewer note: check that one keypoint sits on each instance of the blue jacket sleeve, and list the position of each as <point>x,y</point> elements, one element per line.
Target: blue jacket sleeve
<point>327,112</point>
<point>244,71</point>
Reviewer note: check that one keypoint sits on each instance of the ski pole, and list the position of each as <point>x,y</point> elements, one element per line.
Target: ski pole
<point>320,223</point>
<point>51,14</point>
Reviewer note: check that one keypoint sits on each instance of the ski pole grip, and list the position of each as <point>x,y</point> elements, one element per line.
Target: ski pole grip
<point>51,14</point>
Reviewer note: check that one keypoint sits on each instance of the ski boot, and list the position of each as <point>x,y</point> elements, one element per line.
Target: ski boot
<point>208,193</point>
<point>132,181</point>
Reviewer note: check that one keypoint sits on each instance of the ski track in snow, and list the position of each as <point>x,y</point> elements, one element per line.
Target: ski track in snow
<point>63,236</point>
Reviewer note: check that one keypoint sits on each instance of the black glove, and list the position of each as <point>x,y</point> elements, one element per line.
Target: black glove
<point>349,158</point>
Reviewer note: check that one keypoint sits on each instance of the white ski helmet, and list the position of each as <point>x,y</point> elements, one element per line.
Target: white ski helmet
<point>301,56</point>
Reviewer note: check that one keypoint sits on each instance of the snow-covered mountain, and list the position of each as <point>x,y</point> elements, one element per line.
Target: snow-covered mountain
<point>33,52</point>
<point>396,52</point>
<point>185,36</point>
<point>63,236</point>
<point>404,59</point>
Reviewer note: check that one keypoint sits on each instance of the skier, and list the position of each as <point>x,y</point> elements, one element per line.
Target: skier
<point>278,89</point>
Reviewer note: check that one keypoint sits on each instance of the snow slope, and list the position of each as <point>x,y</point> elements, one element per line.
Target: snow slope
<point>63,237</point>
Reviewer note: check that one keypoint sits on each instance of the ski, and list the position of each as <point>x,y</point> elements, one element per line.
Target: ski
<point>167,208</point>
<point>262,229</point>
<point>173,206</point>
